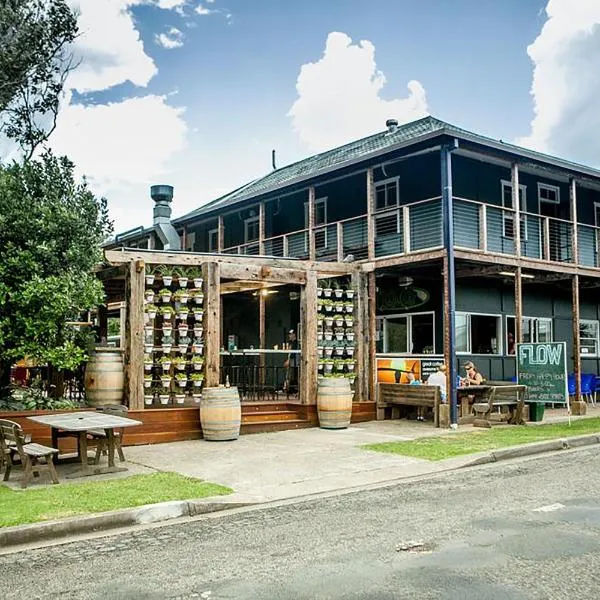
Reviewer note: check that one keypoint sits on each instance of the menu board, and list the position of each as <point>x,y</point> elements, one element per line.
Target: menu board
<point>542,367</point>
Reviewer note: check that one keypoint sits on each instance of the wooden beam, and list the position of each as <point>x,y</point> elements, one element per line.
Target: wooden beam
<point>107,273</point>
<point>134,336</point>
<point>157,257</point>
<point>220,234</point>
<point>403,259</point>
<point>518,306</point>
<point>406,228</point>
<point>573,213</point>
<point>308,341</point>
<point>483,238</point>
<point>576,339</point>
<point>514,178</point>
<point>340,241</point>
<point>370,342</point>
<point>312,252</point>
<point>359,283</point>
<point>212,323</point>
<point>262,339</point>
<point>262,273</point>
<point>370,214</point>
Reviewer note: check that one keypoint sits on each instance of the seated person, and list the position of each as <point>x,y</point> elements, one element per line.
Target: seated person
<point>473,376</point>
<point>412,380</point>
<point>439,378</point>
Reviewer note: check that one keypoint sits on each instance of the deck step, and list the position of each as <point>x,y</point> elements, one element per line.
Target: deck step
<point>254,407</point>
<point>263,427</point>
<point>259,417</point>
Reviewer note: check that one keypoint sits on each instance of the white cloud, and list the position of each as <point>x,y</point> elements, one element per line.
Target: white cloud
<point>122,145</point>
<point>171,39</point>
<point>566,81</point>
<point>339,96</point>
<point>202,10</point>
<point>169,4</point>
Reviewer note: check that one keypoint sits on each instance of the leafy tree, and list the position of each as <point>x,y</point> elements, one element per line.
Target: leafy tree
<point>35,59</point>
<point>51,228</point>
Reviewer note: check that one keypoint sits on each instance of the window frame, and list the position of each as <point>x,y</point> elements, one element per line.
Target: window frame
<point>549,187</point>
<point>214,232</point>
<point>409,330</point>
<point>499,338</point>
<point>321,200</point>
<point>534,328</point>
<point>596,339</point>
<point>508,217</point>
<point>248,221</point>
<point>385,182</point>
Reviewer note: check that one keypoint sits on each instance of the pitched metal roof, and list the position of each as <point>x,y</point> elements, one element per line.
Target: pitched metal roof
<point>371,146</point>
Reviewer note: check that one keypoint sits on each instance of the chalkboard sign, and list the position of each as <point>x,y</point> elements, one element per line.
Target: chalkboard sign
<point>542,368</point>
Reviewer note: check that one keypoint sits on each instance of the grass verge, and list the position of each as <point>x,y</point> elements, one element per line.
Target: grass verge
<point>450,445</point>
<point>18,507</point>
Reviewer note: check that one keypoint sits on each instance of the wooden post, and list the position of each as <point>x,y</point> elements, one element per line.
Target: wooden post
<point>483,242</point>
<point>576,348</point>
<point>517,206</point>
<point>212,323</point>
<point>122,324</point>
<point>406,228</point>
<point>448,358</point>
<point>102,324</point>
<point>134,345</point>
<point>340,241</point>
<point>369,337</point>
<point>518,305</point>
<point>308,341</point>
<point>220,234</point>
<point>262,343</point>
<point>546,246</point>
<point>370,214</point>
<point>359,283</point>
<point>312,252</point>
<point>573,211</point>
<point>261,228</point>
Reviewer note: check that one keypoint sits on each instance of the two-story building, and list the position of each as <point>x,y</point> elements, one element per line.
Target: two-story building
<point>453,223</point>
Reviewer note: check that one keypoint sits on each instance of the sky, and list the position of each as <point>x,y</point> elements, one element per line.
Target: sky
<point>196,93</point>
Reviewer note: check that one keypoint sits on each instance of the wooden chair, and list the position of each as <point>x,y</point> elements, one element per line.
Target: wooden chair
<point>99,435</point>
<point>13,443</point>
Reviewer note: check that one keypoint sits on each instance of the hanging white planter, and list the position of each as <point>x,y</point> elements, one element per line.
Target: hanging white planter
<point>321,366</point>
<point>349,321</point>
<point>350,350</point>
<point>327,292</point>
<point>320,335</point>
<point>167,280</point>
<point>198,281</point>
<point>164,398</point>
<point>182,281</point>
<point>338,292</point>
<point>198,382</point>
<point>166,348</point>
<point>147,367</point>
<point>339,321</point>
<point>149,279</point>
<point>180,366</point>
<point>198,366</point>
<point>328,351</point>
<point>349,294</point>
<point>198,315</point>
<point>151,315</point>
<point>339,350</point>
<point>350,336</point>
<point>339,336</point>
<point>148,399</point>
<point>180,398</point>
<point>328,307</point>
<point>328,367</point>
<point>147,383</point>
<point>349,308</point>
<point>350,366</point>
<point>149,296</point>
<point>198,332</point>
<point>166,298</point>
<point>319,292</point>
<point>328,336</point>
<point>182,383</point>
<point>197,398</point>
<point>199,298</point>
<point>328,321</point>
<point>197,348</point>
<point>165,366</point>
<point>183,330</point>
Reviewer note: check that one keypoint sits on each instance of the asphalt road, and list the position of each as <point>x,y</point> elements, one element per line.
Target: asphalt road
<point>482,534</point>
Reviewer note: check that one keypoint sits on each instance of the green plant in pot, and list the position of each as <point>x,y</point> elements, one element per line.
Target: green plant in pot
<point>183,312</point>
<point>165,295</point>
<point>166,362</point>
<point>166,312</point>
<point>195,274</point>
<point>164,398</point>
<point>167,344</point>
<point>197,379</point>
<point>198,314</point>
<point>338,292</point>
<point>180,363</point>
<point>149,296</point>
<point>181,379</point>
<point>197,295</point>
<point>150,275</point>
<point>147,381</point>
<point>166,273</point>
<point>183,344</point>
<point>182,277</point>
<point>197,362</point>
<point>150,310</point>
<point>328,365</point>
<point>165,380</point>
<point>148,363</point>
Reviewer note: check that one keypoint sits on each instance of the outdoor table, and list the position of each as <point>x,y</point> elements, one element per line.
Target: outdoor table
<point>80,423</point>
<point>478,392</point>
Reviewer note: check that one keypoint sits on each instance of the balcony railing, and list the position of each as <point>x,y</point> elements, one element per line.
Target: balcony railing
<point>418,227</point>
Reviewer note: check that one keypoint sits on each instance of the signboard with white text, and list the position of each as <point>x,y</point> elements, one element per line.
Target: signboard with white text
<point>542,367</point>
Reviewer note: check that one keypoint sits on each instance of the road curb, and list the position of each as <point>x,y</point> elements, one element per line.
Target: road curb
<point>534,448</point>
<point>140,515</point>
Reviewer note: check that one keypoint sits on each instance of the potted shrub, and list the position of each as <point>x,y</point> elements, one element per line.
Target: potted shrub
<point>198,347</point>
<point>339,350</point>
<point>180,363</point>
<point>350,336</point>
<point>338,292</point>
<point>321,364</point>
<point>327,291</point>
<point>339,333</point>
<point>165,380</point>
<point>150,276</point>
<point>181,296</point>
<point>195,274</point>
<point>181,379</point>
<point>183,344</point>
<point>148,363</point>
<point>182,313</point>
<point>150,310</point>
<point>350,364</point>
<point>328,365</point>
<point>182,278</point>
<point>167,274</point>
<point>197,295</point>
<point>349,321</point>
<point>147,381</point>
<point>349,307</point>
<point>320,335</point>
<point>197,379</point>
<point>198,314</point>
<point>183,328</point>
<point>328,350</point>
<point>167,344</point>
<point>165,363</point>
<point>197,362</point>
<point>198,330</point>
<point>198,282</point>
<point>328,305</point>
<point>167,328</point>
<point>164,398</point>
<point>166,312</point>
<point>328,321</point>
<point>149,296</point>
<point>339,321</point>
<point>148,399</point>
<point>165,295</point>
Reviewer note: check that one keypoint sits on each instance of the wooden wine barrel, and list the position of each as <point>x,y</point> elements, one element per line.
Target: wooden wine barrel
<point>220,413</point>
<point>104,377</point>
<point>334,402</point>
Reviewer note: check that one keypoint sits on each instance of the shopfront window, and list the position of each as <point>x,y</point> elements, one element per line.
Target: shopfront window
<point>588,337</point>
<point>478,334</point>
<point>408,333</point>
<point>535,329</point>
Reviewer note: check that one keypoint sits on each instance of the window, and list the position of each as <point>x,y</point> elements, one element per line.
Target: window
<point>588,337</point>
<point>508,222</point>
<point>548,193</point>
<point>535,329</point>
<point>387,193</point>
<point>320,212</point>
<point>251,229</point>
<point>408,333</point>
<point>213,240</point>
<point>387,224</point>
<point>597,214</point>
<point>478,334</point>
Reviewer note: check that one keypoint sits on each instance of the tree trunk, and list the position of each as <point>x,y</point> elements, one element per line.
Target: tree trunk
<point>4,379</point>
<point>57,382</point>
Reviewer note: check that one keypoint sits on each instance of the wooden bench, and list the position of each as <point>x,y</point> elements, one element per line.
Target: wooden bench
<point>402,394</point>
<point>13,443</point>
<point>510,398</point>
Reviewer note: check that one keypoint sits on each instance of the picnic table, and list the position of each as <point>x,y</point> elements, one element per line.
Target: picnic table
<point>79,424</point>
<point>490,394</point>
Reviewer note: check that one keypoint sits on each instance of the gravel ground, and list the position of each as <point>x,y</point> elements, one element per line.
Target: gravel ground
<point>472,534</point>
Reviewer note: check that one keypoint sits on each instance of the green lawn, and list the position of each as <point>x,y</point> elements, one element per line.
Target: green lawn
<point>450,445</point>
<point>18,507</point>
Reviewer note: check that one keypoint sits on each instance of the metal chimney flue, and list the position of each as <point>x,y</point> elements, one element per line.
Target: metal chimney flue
<point>392,125</point>
<point>163,196</point>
